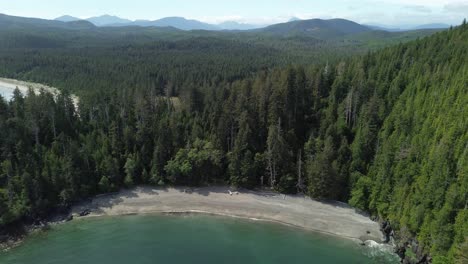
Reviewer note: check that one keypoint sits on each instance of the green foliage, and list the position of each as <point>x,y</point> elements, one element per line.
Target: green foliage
<point>321,172</point>
<point>417,176</point>
<point>130,171</point>
<point>361,191</point>
<point>80,57</point>
<point>195,164</point>
<point>412,257</point>
<point>104,184</point>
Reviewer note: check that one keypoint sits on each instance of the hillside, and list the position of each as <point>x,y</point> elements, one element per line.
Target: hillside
<point>105,20</point>
<point>418,176</point>
<point>150,54</point>
<point>67,18</point>
<point>318,28</point>
<point>175,22</point>
<point>323,28</point>
<point>20,23</point>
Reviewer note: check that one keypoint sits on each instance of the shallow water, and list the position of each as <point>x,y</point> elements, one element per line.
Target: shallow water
<point>186,239</point>
<point>6,93</point>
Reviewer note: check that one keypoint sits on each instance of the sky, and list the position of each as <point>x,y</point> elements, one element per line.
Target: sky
<point>384,12</point>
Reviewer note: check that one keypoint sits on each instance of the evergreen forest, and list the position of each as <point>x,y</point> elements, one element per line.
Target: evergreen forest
<point>384,129</point>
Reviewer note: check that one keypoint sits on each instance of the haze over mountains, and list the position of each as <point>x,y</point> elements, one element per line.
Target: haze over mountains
<point>177,22</point>
<point>191,24</point>
<point>299,33</point>
<point>408,27</point>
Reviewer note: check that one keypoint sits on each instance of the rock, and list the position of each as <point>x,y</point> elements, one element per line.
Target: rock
<point>85,212</point>
<point>401,251</point>
<point>424,260</point>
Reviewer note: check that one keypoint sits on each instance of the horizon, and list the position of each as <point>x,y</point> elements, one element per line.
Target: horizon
<point>393,13</point>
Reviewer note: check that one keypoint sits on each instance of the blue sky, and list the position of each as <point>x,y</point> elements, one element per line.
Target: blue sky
<point>389,12</point>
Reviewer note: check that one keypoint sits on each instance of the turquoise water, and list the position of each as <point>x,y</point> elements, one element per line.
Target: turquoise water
<point>184,239</point>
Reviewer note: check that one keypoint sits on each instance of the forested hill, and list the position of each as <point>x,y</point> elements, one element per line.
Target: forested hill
<point>78,56</point>
<point>409,152</point>
<point>386,131</point>
<point>318,28</point>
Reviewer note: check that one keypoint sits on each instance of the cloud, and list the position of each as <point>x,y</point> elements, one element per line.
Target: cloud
<point>457,8</point>
<point>418,8</point>
<point>420,2</point>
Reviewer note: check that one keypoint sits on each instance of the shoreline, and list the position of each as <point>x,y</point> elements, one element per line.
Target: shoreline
<point>24,86</point>
<point>208,213</point>
<point>328,218</point>
<point>332,218</point>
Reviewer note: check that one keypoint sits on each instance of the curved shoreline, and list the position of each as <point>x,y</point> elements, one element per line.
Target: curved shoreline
<point>24,86</point>
<point>297,211</point>
<point>208,213</point>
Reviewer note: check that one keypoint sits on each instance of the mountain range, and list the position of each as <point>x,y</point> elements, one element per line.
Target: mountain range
<point>176,22</point>
<point>14,22</point>
<point>302,31</point>
<point>408,27</point>
<point>190,24</point>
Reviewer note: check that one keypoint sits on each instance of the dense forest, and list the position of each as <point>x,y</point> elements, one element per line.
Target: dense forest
<point>78,56</point>
<point>386,131</point>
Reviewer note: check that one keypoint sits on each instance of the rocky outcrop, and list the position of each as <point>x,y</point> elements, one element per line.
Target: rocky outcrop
<point>406,246</point>
<point>411,252</point>
<point>13,234</point>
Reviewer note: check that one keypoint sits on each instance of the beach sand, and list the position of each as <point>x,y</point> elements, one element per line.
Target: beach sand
<point>332,218</point>
<point>11,84</point>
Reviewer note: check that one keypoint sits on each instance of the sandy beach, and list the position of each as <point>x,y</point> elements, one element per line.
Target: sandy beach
<point>11,84</point>
<point>331,218</point>
<point>24,86</point>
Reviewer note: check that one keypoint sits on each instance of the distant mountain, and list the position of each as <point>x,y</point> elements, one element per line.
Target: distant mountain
<point>233,25</point>
<point>177,22</point>
<point>432,26</point>
<point>408,27</point>
<point>14,22</point>
<point>105,20</point>
<point>80,24</point>
<point>67,18</point>
<point>294,19</point>
<point>318,28</point>
<point>384,27</point>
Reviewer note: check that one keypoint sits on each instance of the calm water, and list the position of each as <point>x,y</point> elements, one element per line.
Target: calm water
<point>184,239</point>
<point>6,93</point>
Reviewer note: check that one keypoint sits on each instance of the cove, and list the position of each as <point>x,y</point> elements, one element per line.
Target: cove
<point>190,238</point>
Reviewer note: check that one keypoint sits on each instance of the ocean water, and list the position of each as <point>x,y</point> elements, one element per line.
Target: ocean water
<point>186,239</point>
